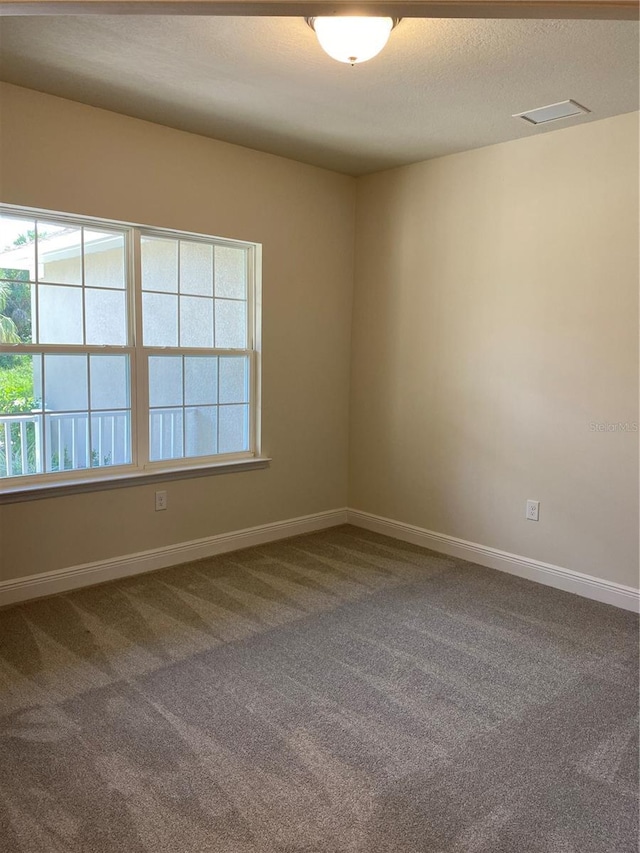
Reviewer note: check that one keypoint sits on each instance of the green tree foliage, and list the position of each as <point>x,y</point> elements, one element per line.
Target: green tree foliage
<point>15,300</point>
<point>16,385</point>
<point>8,329</point>
<point>16,371</point>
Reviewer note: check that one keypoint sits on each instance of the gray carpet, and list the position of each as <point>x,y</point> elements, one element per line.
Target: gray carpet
<point>336,693</point>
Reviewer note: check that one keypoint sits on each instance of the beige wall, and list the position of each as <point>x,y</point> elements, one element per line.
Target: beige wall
<point>65,156</point>
<point>496,318</point>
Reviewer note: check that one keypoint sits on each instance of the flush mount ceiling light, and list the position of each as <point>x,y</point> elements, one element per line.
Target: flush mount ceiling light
<point>350,38</point>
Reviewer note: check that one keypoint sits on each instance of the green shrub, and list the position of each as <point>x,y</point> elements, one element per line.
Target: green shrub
<point>16,385</point>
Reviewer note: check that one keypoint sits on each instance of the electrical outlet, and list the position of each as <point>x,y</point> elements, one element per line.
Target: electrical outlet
<point>161,501</point>
<point>533,511</point>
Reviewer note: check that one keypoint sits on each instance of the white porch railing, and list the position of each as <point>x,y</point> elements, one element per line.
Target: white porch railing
<point>166,434</point>
<point>19,434</point>
<point>66,445</point>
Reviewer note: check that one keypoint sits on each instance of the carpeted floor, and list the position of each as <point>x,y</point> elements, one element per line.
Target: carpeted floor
<point>336,693</point>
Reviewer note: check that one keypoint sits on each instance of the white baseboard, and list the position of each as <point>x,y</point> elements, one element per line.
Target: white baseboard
<point>588,586</point>
<point>62,580</point>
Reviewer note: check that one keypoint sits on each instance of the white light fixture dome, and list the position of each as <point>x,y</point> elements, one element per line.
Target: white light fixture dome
<point>350,38</point>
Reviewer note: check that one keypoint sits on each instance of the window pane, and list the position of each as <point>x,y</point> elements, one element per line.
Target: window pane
<point>196,268</point>
<point>66,441</point>
<point>231,323</point>
<point>103,259</point>
<point>105,317</point>
<point>234,380</point>
<point>110,439</point>
<point>165,381</point>
<point>231,272</point>
<point>59,314</point>
<point>201,431</point>
<point>17,248</point>
<point>20,383</point>
<point>196,321</point>
<point>159,264</point>
<point>233,434</point>
<point>160,320</point>
<point>165,434</point>
<point>109,381</point>
<point>59,253</point>
<point>201,380</point>
<point>20,424</point>
<point>65,383</point>
<point>16,325</point>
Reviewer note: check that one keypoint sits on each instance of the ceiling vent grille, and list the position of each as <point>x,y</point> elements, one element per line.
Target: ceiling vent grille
<point>553,112</point>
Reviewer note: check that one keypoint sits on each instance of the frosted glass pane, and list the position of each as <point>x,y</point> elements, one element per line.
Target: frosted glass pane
<point>103,259</point>
<point>110,439</point>
<point>159,320</point>
<point>159,264</point>
<point>109,381</point>
<point>18,310</point>
<point>201,380</point>
<point>105,317</point>
<point>165,434</point>
<point>17,248</point>
<point>65,383</point>
<point>67,441</point>
<point>201,431</point>
<point>234,380</point>
<point>196,321</point>
<point>196,268</point>
<point>60,319</point>
<point>231,272</point>
<point>165,381</point>
<point>231,324</point>
<point>59,253</point>
<point>233,435</point>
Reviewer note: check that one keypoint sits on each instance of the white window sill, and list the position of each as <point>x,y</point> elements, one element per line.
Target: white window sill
<point>40,490</point>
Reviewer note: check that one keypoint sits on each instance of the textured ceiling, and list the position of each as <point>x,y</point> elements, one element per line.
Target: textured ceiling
<point>440,86</point>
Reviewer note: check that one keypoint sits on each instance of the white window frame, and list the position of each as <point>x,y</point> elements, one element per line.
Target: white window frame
<point>141,468</point>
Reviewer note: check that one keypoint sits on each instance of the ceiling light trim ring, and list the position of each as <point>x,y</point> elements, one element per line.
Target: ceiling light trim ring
<point>395,21</point>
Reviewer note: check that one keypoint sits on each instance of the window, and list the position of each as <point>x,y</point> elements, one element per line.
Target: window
<point>123,350</point>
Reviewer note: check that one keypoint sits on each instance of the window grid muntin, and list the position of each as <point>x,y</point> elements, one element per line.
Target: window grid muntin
<point>45,416</point>
<point>247,356</point>
<point>138,391</point>
<point>249,262</point>
<point>36,281</point>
